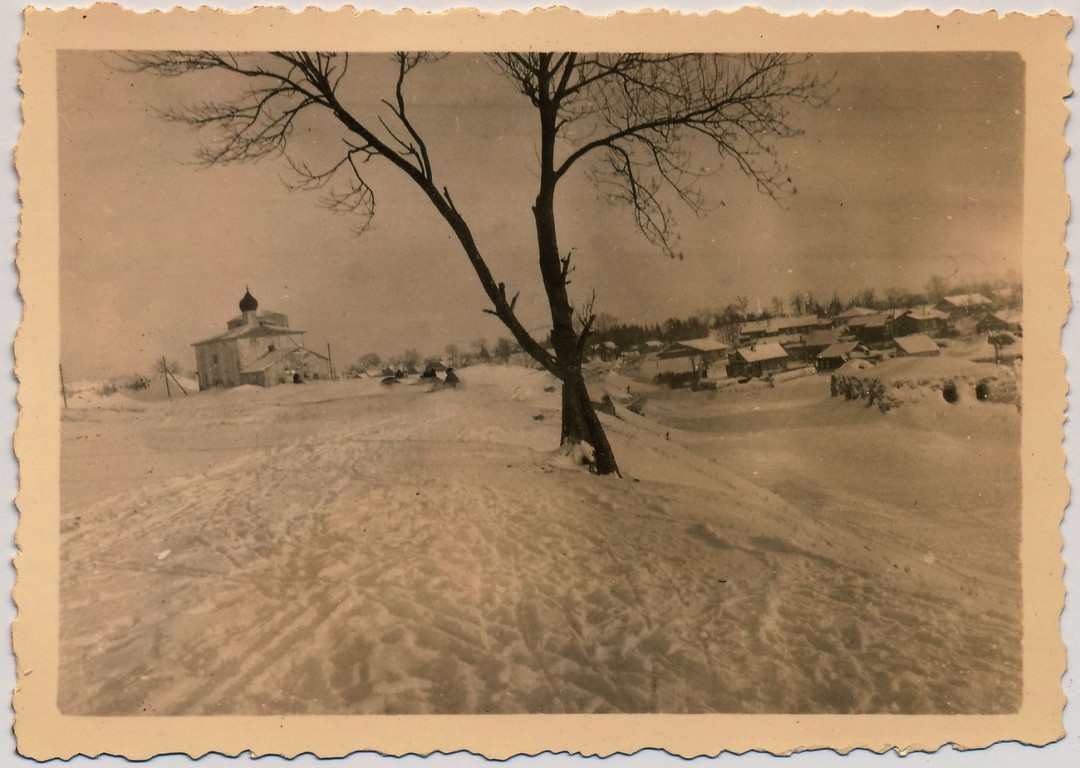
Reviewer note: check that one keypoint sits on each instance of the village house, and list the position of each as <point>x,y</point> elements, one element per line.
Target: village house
<point>699,353</point>
<point>835,355</point>
<point>920,320</point>
<point>758,359</point>
<point>805,348</point>
<point>872,329</point>
<point>964,304</point>
<point>1002,320</point>
<point>258,348</point>
<point>783,325</point>
<point>916,345</point>
<point>851,313</point>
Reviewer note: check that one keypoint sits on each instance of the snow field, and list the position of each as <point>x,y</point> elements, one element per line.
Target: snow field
<point>346,547</point>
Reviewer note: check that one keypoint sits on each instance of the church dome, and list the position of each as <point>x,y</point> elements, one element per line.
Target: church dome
<point>248,303</point>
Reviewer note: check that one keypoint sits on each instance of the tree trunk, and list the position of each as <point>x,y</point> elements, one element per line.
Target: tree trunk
<point>581,424</point>
<point>579,420</point>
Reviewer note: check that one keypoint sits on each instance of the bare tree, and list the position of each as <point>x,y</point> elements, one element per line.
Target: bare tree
<point>604,321</point>
<point>937,287</point>
<point>504,347</point>
<point>410,358</point>
<point>641,121</point>
<point>369,360</point>
<point>480,348</point>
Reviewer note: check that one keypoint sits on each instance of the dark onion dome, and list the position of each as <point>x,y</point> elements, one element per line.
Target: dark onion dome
<point>248,303</point>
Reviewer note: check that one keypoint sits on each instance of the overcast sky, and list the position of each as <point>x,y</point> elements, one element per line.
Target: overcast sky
<point>915,167</point>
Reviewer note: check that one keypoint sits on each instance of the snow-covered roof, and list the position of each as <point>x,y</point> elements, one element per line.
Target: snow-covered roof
<point>967,300</point>
<point>694,347</point>
<point>764,350</point>
<point>916,344</point>
<point>705,345</point>
<point>871,321</point>
<point>924,313</point>
<point>839,349</point>
<point>1008,316</point>
<point>822,337</point>
<point>856,312</point>
<point>250,332</point>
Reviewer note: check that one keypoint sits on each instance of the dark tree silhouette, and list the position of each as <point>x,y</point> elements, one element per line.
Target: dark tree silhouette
<point>641,121</point>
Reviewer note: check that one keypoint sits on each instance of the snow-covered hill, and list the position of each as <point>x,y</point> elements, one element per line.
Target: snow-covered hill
<point>351,547</point>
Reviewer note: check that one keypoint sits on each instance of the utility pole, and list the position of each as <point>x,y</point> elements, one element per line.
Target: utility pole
<point>165,375</point>
<point>63,389</point>
<point>330,360</point>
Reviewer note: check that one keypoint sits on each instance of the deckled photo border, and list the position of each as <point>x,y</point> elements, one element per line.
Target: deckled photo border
<point>42,732</point>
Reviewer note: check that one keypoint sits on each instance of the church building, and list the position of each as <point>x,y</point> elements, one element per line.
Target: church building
<point>258,348</point>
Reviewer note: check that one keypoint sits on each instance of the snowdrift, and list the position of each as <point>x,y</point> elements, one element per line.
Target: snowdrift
<point>901,380</point>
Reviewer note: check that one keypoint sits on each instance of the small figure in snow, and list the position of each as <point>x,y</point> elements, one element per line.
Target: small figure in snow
<point>451,378</point>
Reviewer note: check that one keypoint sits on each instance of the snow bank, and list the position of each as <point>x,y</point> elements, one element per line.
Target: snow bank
<point>905,380</point>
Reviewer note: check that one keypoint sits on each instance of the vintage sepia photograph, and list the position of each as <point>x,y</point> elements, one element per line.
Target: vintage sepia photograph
<point>531,382</point>
<point>540,382</point>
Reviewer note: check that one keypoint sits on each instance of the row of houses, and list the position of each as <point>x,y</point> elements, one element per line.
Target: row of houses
<point>803,336</point>
<point>771,355</point>
<point>777,344</point>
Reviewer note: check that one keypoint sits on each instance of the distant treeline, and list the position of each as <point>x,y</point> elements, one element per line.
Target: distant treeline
<point>724,322</point>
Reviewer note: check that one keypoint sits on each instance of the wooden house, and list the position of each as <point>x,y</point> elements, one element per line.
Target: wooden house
<point>872,329</point>
<point>1002,320</point>
<point>851,313</point>
<point>807,347</point>
<point>964,304</point>
<point>699,353</point>
<point>926,320</point>
<point>758,359</point>
<point>835,355</point>
<point>784,325</point>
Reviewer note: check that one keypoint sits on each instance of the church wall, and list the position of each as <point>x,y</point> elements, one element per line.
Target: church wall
<point>218,364</point>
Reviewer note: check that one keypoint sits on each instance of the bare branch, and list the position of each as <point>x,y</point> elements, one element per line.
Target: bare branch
<point>586,317</point>
<point>648,114</point>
